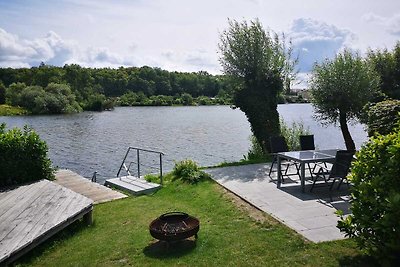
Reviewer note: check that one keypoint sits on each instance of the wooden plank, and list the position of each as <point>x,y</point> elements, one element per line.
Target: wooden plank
<point>38,216</point>
<point>62,203</point>
<point>17,198</point>
<point>98,193</point>
<point>133,185</point>
<point>10,218</point>
<point>32,220</point>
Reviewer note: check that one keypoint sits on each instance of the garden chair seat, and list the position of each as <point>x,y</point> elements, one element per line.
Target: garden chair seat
<point>339,170</point>
<point>278,144</point>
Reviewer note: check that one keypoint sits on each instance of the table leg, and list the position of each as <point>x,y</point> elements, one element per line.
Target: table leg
<point>302,176</point>
<point>279,173</point>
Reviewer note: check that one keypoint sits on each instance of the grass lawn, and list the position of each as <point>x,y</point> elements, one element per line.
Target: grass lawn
<point>231,233</point>
<point>6,110</point>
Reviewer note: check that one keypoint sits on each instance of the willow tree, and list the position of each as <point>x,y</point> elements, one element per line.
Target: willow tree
<point>340,88</point>
<point>260,63</point>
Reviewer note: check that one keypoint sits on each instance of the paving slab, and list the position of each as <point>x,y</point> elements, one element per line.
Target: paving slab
<point>311,214</point>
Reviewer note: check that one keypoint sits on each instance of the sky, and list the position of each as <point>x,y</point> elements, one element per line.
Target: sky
<point>183,35</point>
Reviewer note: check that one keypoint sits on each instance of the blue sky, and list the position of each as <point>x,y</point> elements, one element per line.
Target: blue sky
<point>183,35</point>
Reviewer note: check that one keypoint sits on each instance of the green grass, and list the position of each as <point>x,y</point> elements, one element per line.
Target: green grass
<point>7,110</point>
<point>241,162</point>
<point>228,236</point>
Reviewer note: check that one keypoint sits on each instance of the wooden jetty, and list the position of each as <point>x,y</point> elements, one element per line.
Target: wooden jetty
<point>32,213</point>
<point>98,193</point>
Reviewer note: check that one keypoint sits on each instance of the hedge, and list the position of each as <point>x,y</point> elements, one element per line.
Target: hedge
<point>23,157</point>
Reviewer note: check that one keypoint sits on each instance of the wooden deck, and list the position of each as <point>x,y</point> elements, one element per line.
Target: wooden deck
<point>32,213</point>
<point>133,185</point>
<point>98,193</point>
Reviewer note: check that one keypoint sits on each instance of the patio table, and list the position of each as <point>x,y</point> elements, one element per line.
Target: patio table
<point>303,157</point>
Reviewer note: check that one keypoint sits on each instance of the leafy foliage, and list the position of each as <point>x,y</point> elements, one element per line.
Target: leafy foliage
<point>98,102</point>
<point>340,88</point>
<point>2,93</point>
<point>188,171</point>
<point>255,152</point>
<point>23,157</point>
<point>85,82</point>
<point>54,99</point>
<point>375,205</point>
<point>292,133</point>
<point>258,63</point>
<point>387,65</point>
<point>382,117</point>
<point>7,110</point>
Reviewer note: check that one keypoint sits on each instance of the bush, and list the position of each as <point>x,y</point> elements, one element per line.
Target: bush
<point>292,133</point>
<point>381,117</point>
<point>255,152</point>
<point>188,171</point>
<point>375,204</point>
<point>23,157</point>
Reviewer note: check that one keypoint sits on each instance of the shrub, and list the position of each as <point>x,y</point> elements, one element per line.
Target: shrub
<point>255,152</point>
<point>375,204</point>
<point>382,116</point>
<point>23,157</point>
<point>292,133</point>
<point>188,171</point>
<point>7,110</point>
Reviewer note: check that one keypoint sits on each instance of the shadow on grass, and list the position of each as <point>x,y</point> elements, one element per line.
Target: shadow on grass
<point>52,242</point>
<point>359,260</point>
<point>163,250</point>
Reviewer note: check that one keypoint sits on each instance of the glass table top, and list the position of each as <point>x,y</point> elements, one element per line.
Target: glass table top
<point>310,155</point>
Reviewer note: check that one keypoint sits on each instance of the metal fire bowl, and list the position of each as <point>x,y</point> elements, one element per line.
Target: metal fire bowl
<point>174,226</point>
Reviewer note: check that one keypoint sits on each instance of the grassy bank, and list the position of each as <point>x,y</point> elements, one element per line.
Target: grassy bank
<point>231,233</point>
<point>6,110</point>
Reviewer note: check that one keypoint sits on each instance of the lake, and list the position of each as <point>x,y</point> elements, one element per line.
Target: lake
<point>97,141</point>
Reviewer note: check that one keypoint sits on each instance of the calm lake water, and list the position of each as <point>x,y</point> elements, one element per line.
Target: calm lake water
<point>97,141</point>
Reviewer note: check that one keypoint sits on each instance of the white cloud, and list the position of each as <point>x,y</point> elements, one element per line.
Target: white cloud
<point>15,52</point>
<point>53,50</point>
<point>391,24</point>
<point>190,60</point>
<point>315,40</point>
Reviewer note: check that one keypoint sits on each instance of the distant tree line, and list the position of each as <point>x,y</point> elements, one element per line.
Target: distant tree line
<point>51,89</point>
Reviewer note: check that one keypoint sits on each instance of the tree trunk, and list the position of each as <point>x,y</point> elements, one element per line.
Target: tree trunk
<point>346,133</point>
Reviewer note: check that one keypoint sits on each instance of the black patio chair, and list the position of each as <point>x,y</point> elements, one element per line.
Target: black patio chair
<point>339,170</point>
<point>307,143</point>
<point>278,144</point>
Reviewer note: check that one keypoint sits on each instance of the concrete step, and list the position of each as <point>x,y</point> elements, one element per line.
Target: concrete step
<point>133,185</point>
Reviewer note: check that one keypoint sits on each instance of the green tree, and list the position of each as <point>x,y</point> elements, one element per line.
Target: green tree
<point>13,93</point>
<point>2,93</point>
<point>256,59</point>
<point>187,99</point>
<point>340,88</point>
<point>381,117</point>
<point>387,65</point>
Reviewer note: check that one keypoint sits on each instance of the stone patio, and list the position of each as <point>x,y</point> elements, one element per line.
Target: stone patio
<point>311,214</point>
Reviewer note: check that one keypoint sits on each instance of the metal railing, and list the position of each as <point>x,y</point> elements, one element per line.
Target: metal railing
<point>138,150</point>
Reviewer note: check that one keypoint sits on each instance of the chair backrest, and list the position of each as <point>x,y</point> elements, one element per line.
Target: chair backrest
<point>342,163</point>
<point>307,142</point>
<point>278,144</point>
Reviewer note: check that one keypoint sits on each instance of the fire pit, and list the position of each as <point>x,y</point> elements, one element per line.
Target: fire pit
<point>174,226</point>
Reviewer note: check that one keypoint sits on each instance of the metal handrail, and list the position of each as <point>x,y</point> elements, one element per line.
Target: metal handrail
<point>127,169</point>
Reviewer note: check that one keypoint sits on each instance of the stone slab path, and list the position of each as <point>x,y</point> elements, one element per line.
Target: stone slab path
<point>310,214</point>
